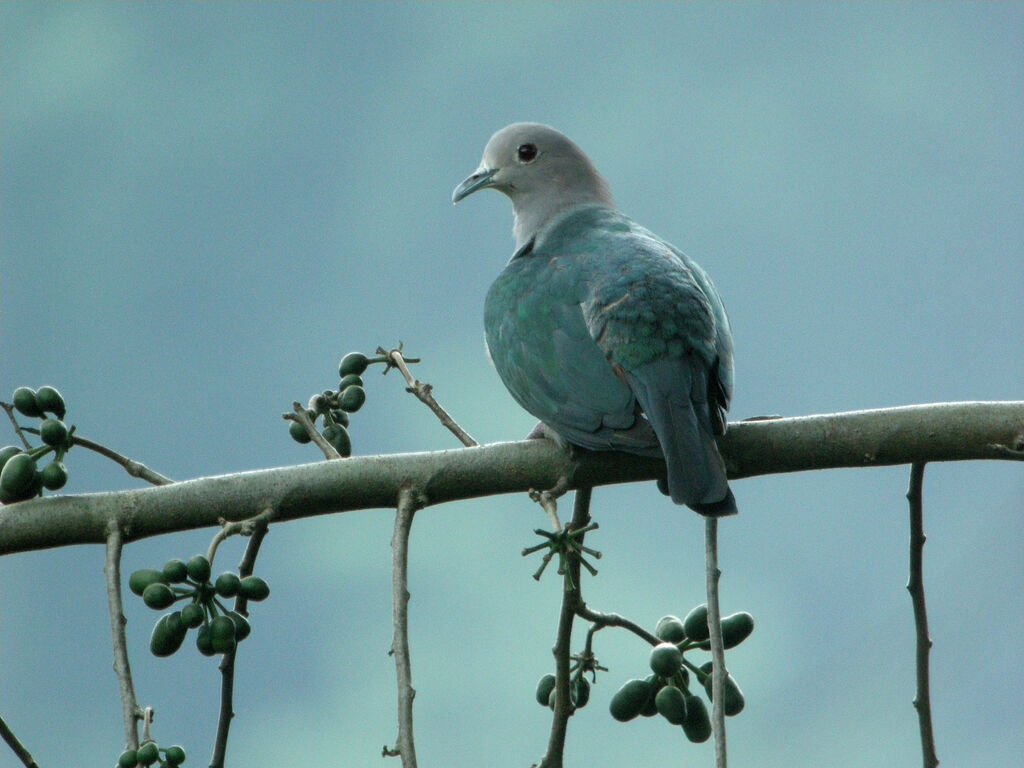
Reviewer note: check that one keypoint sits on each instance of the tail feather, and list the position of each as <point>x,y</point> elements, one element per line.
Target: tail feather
<point>673,394</point>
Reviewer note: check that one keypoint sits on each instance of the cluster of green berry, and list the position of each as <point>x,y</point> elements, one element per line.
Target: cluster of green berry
<point>335,406</point>
<point>666,692</point>
<point>149,753</point>
<point>20,477</point>
<point>579,690</point>
<point>219,628</point>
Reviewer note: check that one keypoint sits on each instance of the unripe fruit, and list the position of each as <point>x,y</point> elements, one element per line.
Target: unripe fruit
<point>337,435</point>
<point>148,753</point>
<point>128,759</point>
<point>579,691</point>
<point>7,452</point>
<point>49,400</point>
<point>168,634</point>
<point>298,433</point>
<point>242,628</point>
<point>54,476</point>
<point>353,362</point>
<point>670,629</point>
<point>53,432</point>
<point>665,659</point>
<point>227,584</point>
<point>174,755</point>
<point>696,624</point>
<point>199,569</point>
<point>18,475</point>
<point>142,578</point>
<point>222,634</point>
<point>352,399</point>
<point>192,615</point>
<point>175,571</point>
<point>157,596</point>
<point>697,725</point>
<point>629,700</point>
<point>544,688</point>
<point>734,700</point>
<point>736,628</point>
<point>352,380</point>
<point>203,642</point>
<point>671,704</point>
<point>24,400</point>
<point>254,588</point>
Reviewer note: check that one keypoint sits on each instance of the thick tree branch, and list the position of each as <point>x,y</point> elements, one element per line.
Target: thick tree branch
<point>940,432</point>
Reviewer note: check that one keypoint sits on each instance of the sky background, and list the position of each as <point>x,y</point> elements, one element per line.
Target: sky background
<point>203,206</point>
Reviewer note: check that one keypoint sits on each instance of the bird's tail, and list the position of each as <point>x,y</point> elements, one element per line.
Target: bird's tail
<point>673,394</point>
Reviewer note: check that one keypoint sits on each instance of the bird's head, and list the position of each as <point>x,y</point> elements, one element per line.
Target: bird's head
<point>541,170</point>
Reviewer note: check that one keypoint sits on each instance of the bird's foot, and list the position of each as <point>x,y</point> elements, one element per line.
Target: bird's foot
<point>566,544</point>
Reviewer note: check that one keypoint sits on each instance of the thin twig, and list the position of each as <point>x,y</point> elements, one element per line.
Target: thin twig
<point>19,749</point>
<point>122,668</point>
<point>719,671</point>
<point>423,394</point>
<point>571,599</point>
<point>405,746</point>
<point>299,414</point>
<point>915,585</point>
<point>601,620</point>
<point>9,408</point>
<point>256,528</point>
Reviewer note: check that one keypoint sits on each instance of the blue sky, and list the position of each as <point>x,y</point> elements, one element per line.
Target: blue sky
<point>203,206</point>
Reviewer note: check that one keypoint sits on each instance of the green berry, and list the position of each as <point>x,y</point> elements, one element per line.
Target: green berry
<point>203,642</point>
<point>24,400</point>
<point>654,684</point>
<point>192,615</point>
<point>242,626</point>
<point>175,571</point>
<point>670,629</point>
<point>54,476</point>
<point>158,596</point>
<point>665,659</point>
<point>544,688</point>
<point>671,704</point>
<point>736,628</point>
<point>168,634</point>
<point>629,700</point>
<point>352,380</point>
<point>227,584</point>
<point>142,578</point>
<point>337,435</point>
<point>128,759</point>
<point>352,399</point>
<point>353,362</point>
<point>174,755</point>
<point>579,691</point>
<point>222,634</point>
<point>298,433</point>
<point>18,475</point>
<point>734,701</point>
<point>8,452</point>
<point>339,417</point>
<point>697,725</point>
<point>50,401</point>
<point>253,588</point>
<point>53,432</point>
<point>696,624</point>
<point>199,569</point>
<point>148,753</point>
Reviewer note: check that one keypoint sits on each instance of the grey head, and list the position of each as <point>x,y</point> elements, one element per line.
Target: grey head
<point>542,171</point>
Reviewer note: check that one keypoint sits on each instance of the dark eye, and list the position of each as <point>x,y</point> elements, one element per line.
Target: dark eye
<point>527,153</point>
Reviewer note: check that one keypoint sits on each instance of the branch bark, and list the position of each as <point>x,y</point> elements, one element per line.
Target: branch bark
<point>938,432</point>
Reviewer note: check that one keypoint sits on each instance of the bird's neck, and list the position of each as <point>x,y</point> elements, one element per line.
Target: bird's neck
<point>534,216</point>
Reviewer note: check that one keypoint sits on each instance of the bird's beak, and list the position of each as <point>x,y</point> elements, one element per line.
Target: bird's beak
<point>482,177</point>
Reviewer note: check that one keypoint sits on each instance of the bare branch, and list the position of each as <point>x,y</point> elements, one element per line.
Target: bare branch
<point>719,670</point>
<point>122,668</point>
<point>16,746</point>
<point>915,585</point>
<point>408,503</point>
<point>423,393</point>
<point>942,432</point>
<point>563,640</point>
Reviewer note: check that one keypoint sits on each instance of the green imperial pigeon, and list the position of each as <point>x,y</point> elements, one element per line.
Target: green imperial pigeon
<point>610,336</point>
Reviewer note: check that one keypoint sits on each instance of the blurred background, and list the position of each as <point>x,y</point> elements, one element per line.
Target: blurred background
<point>205,205</point>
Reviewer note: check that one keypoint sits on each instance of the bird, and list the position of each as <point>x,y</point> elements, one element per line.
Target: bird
<point>609,335</point>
